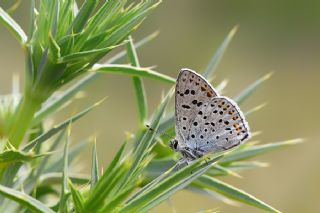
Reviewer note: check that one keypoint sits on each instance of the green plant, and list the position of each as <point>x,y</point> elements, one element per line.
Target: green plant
<point>64,43</point>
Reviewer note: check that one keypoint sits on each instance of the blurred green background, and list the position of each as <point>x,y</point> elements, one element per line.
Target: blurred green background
<point>279,36</point>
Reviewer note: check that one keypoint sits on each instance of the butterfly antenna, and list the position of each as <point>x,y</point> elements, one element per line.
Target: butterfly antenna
<point>158,132</point>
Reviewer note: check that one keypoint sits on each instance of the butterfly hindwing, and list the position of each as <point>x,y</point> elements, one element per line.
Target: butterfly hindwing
<point>220,126</point>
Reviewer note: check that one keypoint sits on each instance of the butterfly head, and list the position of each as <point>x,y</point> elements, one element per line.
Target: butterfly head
<point>174,145</point>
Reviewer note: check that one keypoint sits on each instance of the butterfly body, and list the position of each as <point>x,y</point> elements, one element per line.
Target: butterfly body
<point>188,154</point>
<point>205,121</point>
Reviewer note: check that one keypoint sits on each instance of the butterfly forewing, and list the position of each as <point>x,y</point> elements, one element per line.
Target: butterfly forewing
<point>192,91</point>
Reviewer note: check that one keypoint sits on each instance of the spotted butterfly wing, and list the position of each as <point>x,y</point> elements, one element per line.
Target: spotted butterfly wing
<point>189,87</point>
<point>220,126</point>
<point>204,121</point>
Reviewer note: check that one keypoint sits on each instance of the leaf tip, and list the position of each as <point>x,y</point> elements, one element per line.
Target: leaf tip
<point>268,75</point>
<point>296,141</point>
<point>234,30</point>
<point>100,102</point>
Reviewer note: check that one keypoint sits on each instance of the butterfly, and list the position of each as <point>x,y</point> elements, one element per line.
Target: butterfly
<point>205,122</point>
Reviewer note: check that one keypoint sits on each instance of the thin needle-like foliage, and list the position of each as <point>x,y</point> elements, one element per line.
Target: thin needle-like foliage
<point>65,45</point>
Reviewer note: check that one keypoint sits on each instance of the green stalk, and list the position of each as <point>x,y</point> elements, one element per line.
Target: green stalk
<point>27,108</point>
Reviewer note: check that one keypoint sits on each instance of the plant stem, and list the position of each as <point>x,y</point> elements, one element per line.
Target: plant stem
<point>27,108</point>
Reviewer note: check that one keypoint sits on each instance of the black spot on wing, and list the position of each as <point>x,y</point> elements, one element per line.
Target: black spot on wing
<point>186,106</point>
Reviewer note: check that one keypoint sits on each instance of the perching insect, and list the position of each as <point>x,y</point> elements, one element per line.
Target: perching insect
<point>205,122</point>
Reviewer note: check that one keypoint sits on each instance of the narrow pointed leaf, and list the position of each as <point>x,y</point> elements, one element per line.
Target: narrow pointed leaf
<point>216,58</point>
<point>133,71</point>
<point>74,152</point>
<point>222,86</point>
<point>122,54</point>
<point>99,191</point>
<point>83,15</point>
<point>137,15</point>
<point>64,186</point>
<point>9,157</point>
<point>98,22</point>
<point>58,102</point>
<point>256,150</point>
<point>132,53</point>
<point>95,167</point>
<point>30,72</point>
<point>167,122</point>
<point>96,201</point>
<point>54,18</point>
<point>144,147</point>
<point>24,200</point>
<point>57,178</point>
<point>12,26</point>
<point>85,55</point>
<point>66,15</point>
<point>13,8</point>
<point>42,138</point>
<point>226,171</point>
<point>251,88</point>
<point>209,211</point>
<point>77,198</point>
<point>31,20</point>
<point>232,192</point>
<point>255,109</point>
<point>137,83</point>
<point>117,200</point>
<point>54,49</point>
<point>115,162</point>
<point>34,177</point>
<point>164,189</point>
<point>246,165</point>
<point>212,194</point>
<point>45,160</point>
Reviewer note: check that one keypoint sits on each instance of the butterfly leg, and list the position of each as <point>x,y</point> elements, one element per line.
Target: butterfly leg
<point>205,160</point>
<point>181,163</point>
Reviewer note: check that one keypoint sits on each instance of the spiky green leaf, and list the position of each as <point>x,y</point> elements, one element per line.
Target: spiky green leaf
<point>216,58</point>
<point>256,150</point>
<point>12,26</point>
<point>251,88</point>
<point>95,167</point>
<point>24,200</point>
<point>137,83</point>
<point>232,192</point>
<point>133,71</point>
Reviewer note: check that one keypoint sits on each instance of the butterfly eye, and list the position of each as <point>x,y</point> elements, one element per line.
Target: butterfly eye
<point>175,145</point>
